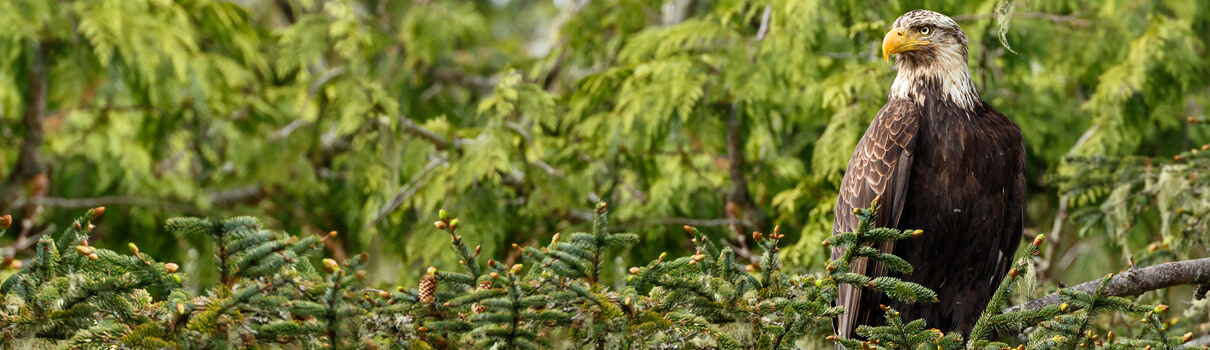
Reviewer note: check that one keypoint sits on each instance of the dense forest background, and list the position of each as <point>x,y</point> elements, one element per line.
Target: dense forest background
<point>365,117</point>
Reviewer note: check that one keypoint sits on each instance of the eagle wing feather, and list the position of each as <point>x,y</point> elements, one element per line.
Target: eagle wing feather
<point>880,166</point>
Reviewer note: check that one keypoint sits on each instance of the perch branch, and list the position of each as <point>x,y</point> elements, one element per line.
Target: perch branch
<point>1137,281</point>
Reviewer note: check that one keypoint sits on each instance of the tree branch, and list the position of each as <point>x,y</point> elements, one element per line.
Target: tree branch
<point>22,243</point>
<point>406,191</point>
<point>1137,281</point>
<point>29,158</point>
<point>749,214</point>
<point>764,23</point>
<point>1057,19</point>
<point>679,221</point>
<point>218,197</point>
<point>440,141</point>
<point>1199,342</point>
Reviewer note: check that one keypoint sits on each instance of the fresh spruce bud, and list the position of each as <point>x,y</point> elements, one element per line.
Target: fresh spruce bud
<point>454,224</point>
<point>83,250</point>
<point>439,224</point>
<point>6,221</point>
<point>133,248</point>
<point>331,266</point>
<point>171,268</point>
<point>97,212</point>
<point>443,215</point>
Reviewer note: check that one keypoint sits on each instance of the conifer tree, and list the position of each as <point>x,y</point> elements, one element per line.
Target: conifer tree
<point>270,295</point>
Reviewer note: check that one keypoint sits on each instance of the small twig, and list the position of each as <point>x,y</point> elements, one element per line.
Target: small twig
<point>1132,283</point>
<point>764,23</point>
<point>23,242</point>
<point>1057,19</point>
<point>529,139</point>
<point>679,221</point>
<point>218,197</point>
<point>1199,342</point>
<point>440,141</point>
<point>406,191</point>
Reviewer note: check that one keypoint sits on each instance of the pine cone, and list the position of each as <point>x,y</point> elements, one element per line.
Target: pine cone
<point>485,285</point>
<point>428,289</point>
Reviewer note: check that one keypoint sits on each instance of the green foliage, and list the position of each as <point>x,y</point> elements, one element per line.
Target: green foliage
<point>366,117</point>
<point>858,245</point>
<point>85,298</point>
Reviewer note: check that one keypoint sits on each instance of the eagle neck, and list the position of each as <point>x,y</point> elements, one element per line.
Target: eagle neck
<point>942,77</point>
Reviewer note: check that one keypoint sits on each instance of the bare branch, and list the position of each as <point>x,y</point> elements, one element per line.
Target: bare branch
<point>529,139</point>
<point>406,191</point>
<point>29,157</point>
<point>440,141</point>
<point>23,242</point>
<point>764,23</point>
<point>237,194</point>
<point>745,209</point>
<point>1137,281</point>
<point>218,197</point>
<point>91,202</point>
<point>323,79</point>
<point>679,221</point>
<point>1057,19</point>
<point>1199,342</point>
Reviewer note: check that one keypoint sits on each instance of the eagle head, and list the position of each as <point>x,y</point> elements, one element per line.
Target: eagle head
<point>932,59</point>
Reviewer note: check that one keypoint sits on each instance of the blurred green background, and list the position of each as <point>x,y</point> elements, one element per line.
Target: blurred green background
<point>365,117</point>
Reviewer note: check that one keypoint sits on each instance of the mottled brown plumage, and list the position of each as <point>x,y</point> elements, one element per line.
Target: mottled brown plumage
<point>945,162</point>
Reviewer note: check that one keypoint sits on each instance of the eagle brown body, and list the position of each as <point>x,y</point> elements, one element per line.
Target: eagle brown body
<point>945,162</point>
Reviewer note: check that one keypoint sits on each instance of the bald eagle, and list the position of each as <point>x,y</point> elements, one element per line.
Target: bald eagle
<point>945,162</point>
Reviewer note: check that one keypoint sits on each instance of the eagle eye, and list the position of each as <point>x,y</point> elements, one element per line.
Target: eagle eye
<point>925,30</point>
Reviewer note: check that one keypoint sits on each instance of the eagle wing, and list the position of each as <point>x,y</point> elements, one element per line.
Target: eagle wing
<point>880,166</point>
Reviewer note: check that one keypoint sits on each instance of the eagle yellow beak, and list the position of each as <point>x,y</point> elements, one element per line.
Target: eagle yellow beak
<point>899,40</point>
